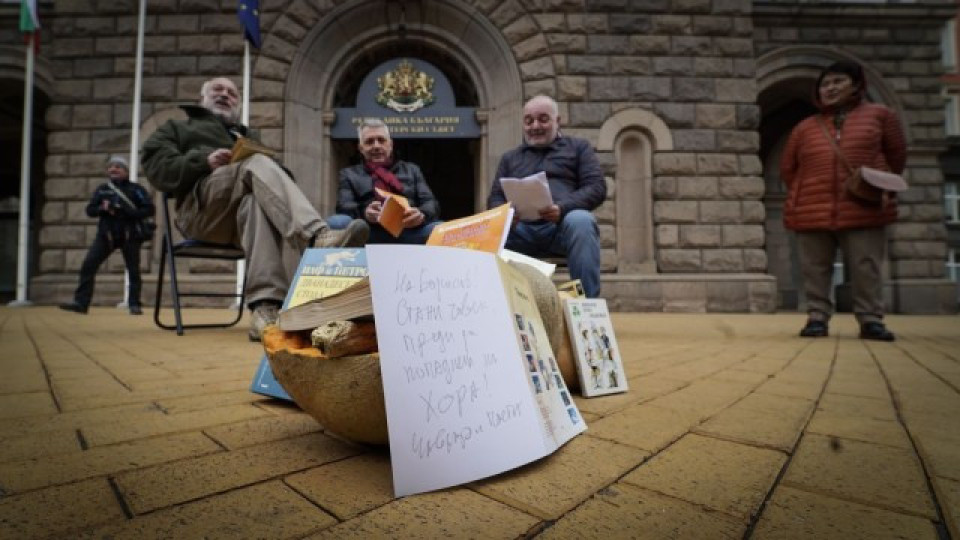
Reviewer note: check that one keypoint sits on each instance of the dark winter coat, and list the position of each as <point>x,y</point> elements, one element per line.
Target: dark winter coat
<point>116,226</point>
<point>356,192</point>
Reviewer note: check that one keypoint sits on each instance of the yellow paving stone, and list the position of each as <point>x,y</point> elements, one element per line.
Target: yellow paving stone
<point>55,512</point>
<point>178,405</point>
<point>792,406</point>
<point>703,399</point>
<point>39,444</point>
<point>189,479</point>
<point>774,427</point>
<point>857,385</point>
<point>948,494</point>
<point>27,404</point>
<point>859,428</point>
<point>603,405</point>
<point>795,514</point>
<point>645,426</point>
<point>764,364</point>
<point>19,427</point>
<point>791,387</point>
<point>553,485</point>
<point>453,513</point>
<point>867,473</point>
<point>866,407</point>
<point>115,398</point>
<point>41,471</point>
<point>740,376</point>
<point>269,510</point>
<point>102,434</point>
<point>368,479</point>
<point>278,406</point>
<point>725,476</point>
<point>940,450</point>
<point>625,511</point>
<point>263,429</point>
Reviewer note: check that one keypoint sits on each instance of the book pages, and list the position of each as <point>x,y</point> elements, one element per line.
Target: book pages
<point>528,195</point>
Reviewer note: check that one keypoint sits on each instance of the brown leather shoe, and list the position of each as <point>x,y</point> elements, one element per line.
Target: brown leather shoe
<point>355,235</point>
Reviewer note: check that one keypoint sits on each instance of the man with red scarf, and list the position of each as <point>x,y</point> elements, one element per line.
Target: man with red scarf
<point>357,196</point>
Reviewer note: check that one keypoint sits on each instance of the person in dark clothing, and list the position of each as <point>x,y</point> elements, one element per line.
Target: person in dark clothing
<point>567,227</point>
<point>117,229</point>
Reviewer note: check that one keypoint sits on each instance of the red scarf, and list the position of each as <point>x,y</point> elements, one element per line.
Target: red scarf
<point>383,178</point>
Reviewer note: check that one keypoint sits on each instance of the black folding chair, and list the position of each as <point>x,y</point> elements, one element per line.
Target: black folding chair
<point>191,249</point>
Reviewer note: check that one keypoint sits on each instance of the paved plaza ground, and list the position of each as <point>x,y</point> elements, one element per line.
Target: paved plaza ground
<point>733,428</point>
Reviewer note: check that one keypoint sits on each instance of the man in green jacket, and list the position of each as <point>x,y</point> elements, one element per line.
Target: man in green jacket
<point>251,203</point>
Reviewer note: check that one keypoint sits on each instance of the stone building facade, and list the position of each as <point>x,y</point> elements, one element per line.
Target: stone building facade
<point>687,103</point>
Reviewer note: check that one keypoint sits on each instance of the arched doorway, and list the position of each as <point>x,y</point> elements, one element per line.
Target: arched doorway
<point>340,49</point>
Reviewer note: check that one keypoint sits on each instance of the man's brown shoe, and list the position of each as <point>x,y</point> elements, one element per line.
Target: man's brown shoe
<point>265,313</point>
<point>355,235</point>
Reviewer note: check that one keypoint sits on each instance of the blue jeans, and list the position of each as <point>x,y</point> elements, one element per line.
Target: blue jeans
<point>576,237</point>
<point>378,235</point>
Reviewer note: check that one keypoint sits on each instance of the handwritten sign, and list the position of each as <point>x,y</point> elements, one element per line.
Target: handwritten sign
<point>460,397</point>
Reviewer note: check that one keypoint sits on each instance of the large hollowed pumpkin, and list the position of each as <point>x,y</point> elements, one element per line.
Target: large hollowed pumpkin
<point>344,394</point>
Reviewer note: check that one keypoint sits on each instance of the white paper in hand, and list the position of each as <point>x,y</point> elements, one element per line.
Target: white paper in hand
<point>528,195</point>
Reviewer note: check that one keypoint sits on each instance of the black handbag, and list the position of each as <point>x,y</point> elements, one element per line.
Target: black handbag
<point>143,229</point>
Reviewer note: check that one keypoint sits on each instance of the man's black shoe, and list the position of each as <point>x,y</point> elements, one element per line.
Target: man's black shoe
<point>136,310</point>
<point>74,307</point>
<point>814,329</point>
<point>876,331</point>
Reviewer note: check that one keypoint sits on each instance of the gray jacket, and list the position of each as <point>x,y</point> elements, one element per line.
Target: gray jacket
<point>355,190</point>
<point>573,172</point>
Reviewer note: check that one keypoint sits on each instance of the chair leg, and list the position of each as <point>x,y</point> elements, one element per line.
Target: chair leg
<point>159,295</point>
<point>175,291</point>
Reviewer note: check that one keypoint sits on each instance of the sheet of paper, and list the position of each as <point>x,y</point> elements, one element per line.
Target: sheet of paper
<point>547,268</point>
<point>529,194</point>
<point>459,406</point>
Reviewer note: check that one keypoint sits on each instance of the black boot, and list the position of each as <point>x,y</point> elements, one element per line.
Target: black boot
<point>815,329</point>
<point>74,307</point>
<point>876,331</point>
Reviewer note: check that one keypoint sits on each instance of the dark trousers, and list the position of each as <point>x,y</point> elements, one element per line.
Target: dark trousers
<point>99,251</point>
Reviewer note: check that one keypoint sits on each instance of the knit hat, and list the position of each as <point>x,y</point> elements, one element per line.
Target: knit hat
<point>118,160</point>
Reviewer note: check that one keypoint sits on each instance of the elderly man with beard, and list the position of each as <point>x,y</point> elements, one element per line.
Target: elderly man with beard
<point>567,227</point>
<point>252,203</point>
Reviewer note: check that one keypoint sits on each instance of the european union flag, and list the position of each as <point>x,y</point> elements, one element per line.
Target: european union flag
<point>248,11</point>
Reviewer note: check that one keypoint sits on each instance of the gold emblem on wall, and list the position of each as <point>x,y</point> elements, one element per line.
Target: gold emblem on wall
<point>405,89</point>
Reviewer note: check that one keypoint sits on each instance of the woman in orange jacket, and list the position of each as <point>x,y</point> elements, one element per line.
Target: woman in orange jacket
<point>824,215</point>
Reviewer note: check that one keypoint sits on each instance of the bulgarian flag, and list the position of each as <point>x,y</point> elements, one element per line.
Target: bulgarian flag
<point>29,19</point>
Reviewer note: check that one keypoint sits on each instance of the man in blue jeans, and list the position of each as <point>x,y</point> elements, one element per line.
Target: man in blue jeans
<point>357,195</point>
<point>567,227</point>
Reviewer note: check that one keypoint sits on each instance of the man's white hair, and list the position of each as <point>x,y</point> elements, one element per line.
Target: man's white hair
<point>554,108</point>
<point>207,83</point>
<point>371,123</point>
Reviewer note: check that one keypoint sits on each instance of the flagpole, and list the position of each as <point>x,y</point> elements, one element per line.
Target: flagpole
<point>27,142</point>
<point>245,120</point>
<point>135,128</point>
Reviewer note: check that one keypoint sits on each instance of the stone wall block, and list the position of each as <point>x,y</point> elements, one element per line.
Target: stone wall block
<point>549,87</point>
<point>92,165</point>
<point>179,24</point>
<point>712,67</point>
<point>53,212</point>
<point>649,88</point>
<point>720,212</point>
<point>743,236</point>
<point>691,46</point>
<point>588,114</point>
<point>722,260</point>
<point>716,116</point>
<point>719,164</point>
<point>128,66</point>
<point>679,260</point>
<point>57,165</point>
<point>673,65</point>
<point>92,26</point>
<point>58,116</point>
<point>288,29</point>
<point>694,139</point>
<point>110,140</point>
<point>188,88</point>
<point>539,68</point>
<point>736,90</point>
<point>692,6</point>
<point>73,259</point>
<point>266,114</point>
<point>216,65</point>
<point>754,260</point>
<point>734,7</point>
<point>608,44</point>
<point>697,187</point>
<point>918,231</point>
<point>520,29</point>
<point>606,212</point>
<point>674,163</point>
<point>727,296</point>
<point>72,47</point>
<point>910,268</point>
<point>750,165</point>
<point>665,187</point>
<point>738,141</point>
<point>753,211</point>
<point>93,67</point>
<point>204,6</point>
<point>608,235</point>
<point>668,236</point>
<point>272,46</point>
<point>52,260</point>
<point>68,141</point>
<point>671,24</point>
<point>676,212</point>
<point>609,88</point>
<point>551,22</point>
<point>567,43</point>
<point>77,212</point>
<point>269,68</point>
<point>650,45</point>
<point>531,47</point>
<point>631,23</point>
<point>62,236</point>
<point>264,89</point>
<point>700,236</point>
<point>303,12</point>
<point>507,12</point>
<point>176,65</point>
<point>221,23</point>
<point>74,90</point>
<point>730,46</point>
<point>578,64</point>
<point>199,44</point>
<point>748,116</point>
<point>694,89</point>
<point>712,25</point>
<point>744,67</point>
<point>159,45</point>
<point>594,23</point>
<point>272,137</point>
<point>630,65</point>
<point>676,115</point>
<point>570,87</point>
<point>113,88</point>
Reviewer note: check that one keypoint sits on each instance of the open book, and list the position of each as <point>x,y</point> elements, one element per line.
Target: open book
<point>597,356</point>
<point>529,194</point>
<point>245,147</point>
<point>486,231</point>
<point>471,385</point>
<point>322,272</point>
<point>391,216</point>
<point>350,303</point>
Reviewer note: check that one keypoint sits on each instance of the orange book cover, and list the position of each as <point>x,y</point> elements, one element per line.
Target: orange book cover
<point>394,207</point>
<point>486,231</point>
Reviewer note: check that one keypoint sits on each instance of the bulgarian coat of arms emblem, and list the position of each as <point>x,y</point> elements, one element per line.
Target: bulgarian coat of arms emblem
<point>405,89</point>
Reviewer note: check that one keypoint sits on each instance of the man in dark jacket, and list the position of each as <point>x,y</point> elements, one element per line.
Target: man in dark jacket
<point>252,203</point>
<point>357,196</point>
<point>567,227</point>
<point>118,228</point>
